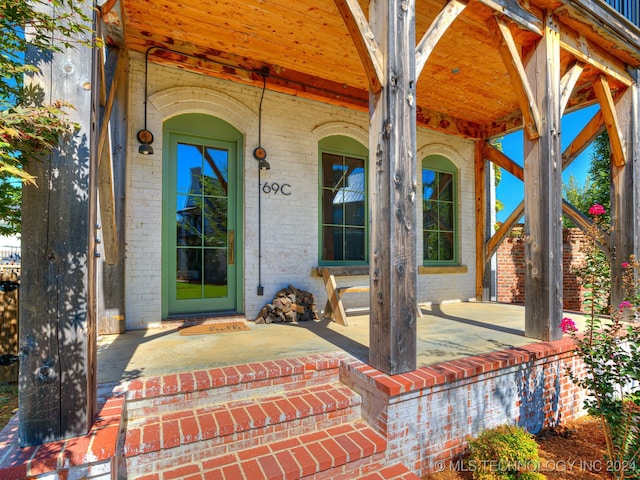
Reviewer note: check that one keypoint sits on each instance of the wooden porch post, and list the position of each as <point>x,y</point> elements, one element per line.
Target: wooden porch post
<point>57,391</point>
<point>112,186</point>
<point>625,189</point>
<point>543,193</point>
<point>483,267</point>
<point>392,167</point>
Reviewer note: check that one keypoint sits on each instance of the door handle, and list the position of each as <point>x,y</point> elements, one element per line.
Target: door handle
<point>232,247</point>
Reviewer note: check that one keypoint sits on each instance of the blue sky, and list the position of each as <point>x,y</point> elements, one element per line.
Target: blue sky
<point>510,191</point>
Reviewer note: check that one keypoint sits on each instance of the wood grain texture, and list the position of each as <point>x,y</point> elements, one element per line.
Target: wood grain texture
<point>543,195</point>
<point>392,173</point>
<point>57,315</point>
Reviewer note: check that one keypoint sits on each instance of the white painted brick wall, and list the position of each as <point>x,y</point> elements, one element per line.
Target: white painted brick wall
<point>291,128</point>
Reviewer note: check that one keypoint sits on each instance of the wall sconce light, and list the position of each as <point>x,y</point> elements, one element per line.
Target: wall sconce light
<point>145,137</point>
<point>260,154</point>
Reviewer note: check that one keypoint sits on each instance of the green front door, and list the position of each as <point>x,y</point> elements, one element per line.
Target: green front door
<point>201,217</point>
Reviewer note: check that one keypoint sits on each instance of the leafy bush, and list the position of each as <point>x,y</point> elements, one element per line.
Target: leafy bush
<point>505,452</point>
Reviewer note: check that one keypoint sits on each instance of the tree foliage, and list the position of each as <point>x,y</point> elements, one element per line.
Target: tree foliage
<point>31,124</point>
<point>597,184</point>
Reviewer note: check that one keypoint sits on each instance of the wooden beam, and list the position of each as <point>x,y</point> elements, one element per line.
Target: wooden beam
<point>364,41</point>
<point>511,58</point>
<point>482,266</point>
<point>543,194</point>
<point>106,5</point>
<point>605,23</point>
<point>441,122</point>
<point>568,83</point>
<point>111,290</point>
<point>625,190</point>
<point>115,69</point>
<point>590,54</point>
<point>112,32</point>
<point>232,67</point>
<point>436,30</point>
<point>392,187</point>
<point>608,109</point>
<point>496,156</point>
<point>502,126</point>
<point>587,135</point>
<point>514,11</point>
<point>502,232</point>
<point>101,76</point>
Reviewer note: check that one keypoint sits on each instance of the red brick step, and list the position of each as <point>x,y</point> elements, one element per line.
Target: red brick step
<point>326,451</point>
<point>322,405</point>
<point>152,395</point>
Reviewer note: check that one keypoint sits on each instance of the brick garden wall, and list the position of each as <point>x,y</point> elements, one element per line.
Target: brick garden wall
<point>510,268</point>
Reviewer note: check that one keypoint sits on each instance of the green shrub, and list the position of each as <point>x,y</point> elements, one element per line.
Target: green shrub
<point>504,453</point>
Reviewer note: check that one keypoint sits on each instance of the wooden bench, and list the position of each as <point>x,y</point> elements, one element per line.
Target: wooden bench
<point>334,308</point>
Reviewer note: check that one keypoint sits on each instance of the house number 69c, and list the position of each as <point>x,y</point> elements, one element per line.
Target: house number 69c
<point>275,188</point>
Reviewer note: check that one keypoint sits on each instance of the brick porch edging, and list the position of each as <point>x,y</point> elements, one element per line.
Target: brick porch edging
<point>428,414</point>
<point>425,415</point>
<point>89,456</point>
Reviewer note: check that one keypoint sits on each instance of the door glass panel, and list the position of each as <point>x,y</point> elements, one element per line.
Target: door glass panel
<point>189,273</point>
<point>188,221</point>
<point>216,170</point>
<point>215,272</point>
<point>201,222</point>
<point>215,222</point>
<point>189,168</point>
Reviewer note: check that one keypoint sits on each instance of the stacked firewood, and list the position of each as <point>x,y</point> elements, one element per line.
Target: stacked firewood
<point>289,305</point>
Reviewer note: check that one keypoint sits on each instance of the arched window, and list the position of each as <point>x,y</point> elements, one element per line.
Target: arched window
<point>343,201</point>
<point>439,211</point>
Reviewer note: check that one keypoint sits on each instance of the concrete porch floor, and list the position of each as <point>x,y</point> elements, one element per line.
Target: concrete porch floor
<point>445,332</point>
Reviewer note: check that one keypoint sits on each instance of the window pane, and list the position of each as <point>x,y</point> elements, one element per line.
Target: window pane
<point>332,212</point>
<point>428,179</point>
<point>445,244</point>
<point>354,244</point>
<point>355,174</point>
<point>189,273</point>
<point>332,241</point>
<point>445,215</point>
<point>333,171</point>
<point>430,215</point>
<point>430,245</point>
<point>445,186</point>
<point>354,213</point>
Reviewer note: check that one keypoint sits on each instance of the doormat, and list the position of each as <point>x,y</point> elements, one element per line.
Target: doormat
<point>214,328</point>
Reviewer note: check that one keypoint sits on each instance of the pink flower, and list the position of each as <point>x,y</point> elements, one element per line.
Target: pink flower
<point>568,326</point>
<point>597,209</point>
<point>625,265</point>
<point>624,305</point>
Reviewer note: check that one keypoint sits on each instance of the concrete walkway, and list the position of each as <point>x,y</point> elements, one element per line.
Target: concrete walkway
<point>446,332</point>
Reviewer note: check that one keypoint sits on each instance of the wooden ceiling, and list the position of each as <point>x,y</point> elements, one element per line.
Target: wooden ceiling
<point>307,51</point>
